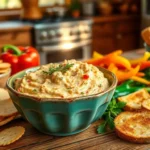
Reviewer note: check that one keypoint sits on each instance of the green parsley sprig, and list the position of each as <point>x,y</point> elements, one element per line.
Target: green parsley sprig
<point>114,108</point>
<point>62,68</point>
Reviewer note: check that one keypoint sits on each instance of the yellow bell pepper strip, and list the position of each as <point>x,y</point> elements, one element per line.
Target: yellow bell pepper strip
<point>141,80</point>
<point>145,57</point>
<point>124,75</point>
<point>117,52</point>
<point>144,65</point>
<point>97,55</point>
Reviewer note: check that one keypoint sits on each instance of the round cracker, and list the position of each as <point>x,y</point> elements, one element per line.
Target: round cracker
<point>4,70</point>
<point>4,65</point>
<point>7,108</point>
<point>10,135</point>
<point>6,120</point>
<point>4,94</point>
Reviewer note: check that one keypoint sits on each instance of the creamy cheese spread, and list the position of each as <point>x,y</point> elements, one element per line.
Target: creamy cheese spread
<point>68,79</point>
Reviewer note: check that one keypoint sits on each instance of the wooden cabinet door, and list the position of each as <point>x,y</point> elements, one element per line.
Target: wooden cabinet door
<point>103,41</point>
<point>112,33</point>
<point>103,44</point>
<point>17,38</point>
<point>127,41</point>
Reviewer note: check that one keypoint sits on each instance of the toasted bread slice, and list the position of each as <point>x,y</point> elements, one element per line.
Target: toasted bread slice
<point>146,104</point>
<point>146,35</point>
<point>134,100</point>
<point>133,126</point>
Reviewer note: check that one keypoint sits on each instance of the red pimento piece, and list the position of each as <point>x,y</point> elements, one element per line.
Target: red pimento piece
<point>18,90</point>
<point>85,76</point>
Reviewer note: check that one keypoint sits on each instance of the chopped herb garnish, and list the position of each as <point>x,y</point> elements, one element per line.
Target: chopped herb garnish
<point>100,85</point>
<point>34,90</point>
<point>114,109</point>
<point>82,92</point>
<point>61,68</point>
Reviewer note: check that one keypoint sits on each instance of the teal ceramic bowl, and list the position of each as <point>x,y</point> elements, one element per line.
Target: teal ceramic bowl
<point>62,117</point>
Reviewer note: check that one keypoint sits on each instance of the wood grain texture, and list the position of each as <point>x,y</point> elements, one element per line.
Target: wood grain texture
<point>86,140</point>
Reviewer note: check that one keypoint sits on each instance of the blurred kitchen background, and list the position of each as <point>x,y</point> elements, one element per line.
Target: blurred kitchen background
<point>65,29</point>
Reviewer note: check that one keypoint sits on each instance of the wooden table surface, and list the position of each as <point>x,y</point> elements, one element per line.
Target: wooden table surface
<point>86,140</point>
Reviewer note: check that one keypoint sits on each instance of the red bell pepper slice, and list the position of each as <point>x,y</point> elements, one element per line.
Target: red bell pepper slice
<point>145,64</point>
<point>20,58</point>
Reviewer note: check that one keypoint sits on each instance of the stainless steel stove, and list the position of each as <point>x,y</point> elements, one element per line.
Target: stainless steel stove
<point>63,39</point>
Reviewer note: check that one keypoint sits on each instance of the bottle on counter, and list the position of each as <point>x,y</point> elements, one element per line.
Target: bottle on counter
<point>75,7</point>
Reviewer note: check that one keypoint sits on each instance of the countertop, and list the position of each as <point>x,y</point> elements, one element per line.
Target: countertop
<point>14,25</point>
<point>86,140</point>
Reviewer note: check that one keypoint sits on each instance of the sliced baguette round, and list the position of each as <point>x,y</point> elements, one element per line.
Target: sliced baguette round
<point>134,100</point>
<point>146,104</point>
<point>133,126</point>
<point>146,35</point>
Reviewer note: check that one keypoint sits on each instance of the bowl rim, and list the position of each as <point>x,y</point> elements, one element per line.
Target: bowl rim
<point>112,86</point>
<point>6,73</point>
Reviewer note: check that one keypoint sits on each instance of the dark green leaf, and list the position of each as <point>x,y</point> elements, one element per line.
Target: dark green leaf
<point>114,108</point>
<point>102,128</point>
<point>116,111</point>
<point>121,104</point>
<point>111,123</point>
<point>113,102</point>
<point>147,73</point>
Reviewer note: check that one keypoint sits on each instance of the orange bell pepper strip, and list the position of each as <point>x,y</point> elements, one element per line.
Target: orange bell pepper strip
<point>144,65</point>
<point>125,75</point>
<point>94,61</point>
<point>145,57</point>
<point>141,80</point>
<point>115,58</point>
<point>112,68</point>
<point>105,59</point>
<point>111,58</point>
<point>140,74</point>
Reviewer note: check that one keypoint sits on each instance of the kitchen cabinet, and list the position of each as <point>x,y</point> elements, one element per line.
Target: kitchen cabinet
<point>15,33</point>
<point>116,32</point>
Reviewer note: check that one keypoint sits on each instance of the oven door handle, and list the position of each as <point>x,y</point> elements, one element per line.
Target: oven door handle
<point>65,46</point>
